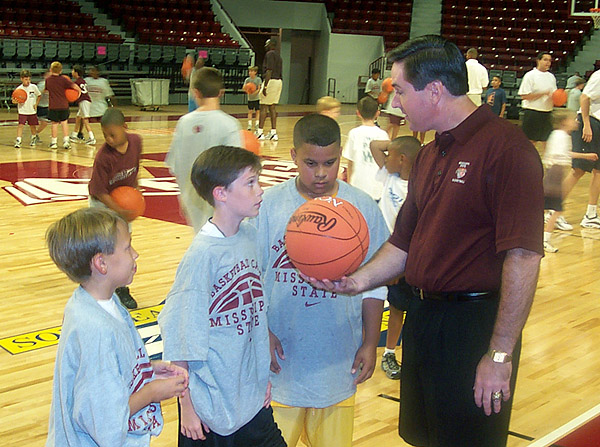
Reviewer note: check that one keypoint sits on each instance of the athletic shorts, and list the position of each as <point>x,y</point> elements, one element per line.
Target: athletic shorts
<point>537,125</point>
<point>261,431</point>
<point>581,146</point>
<point>273,92</point>
<point>553,203</point>
<point>84,109</point>
<point>58,116</point>
<point>254,105</point>
<point>32,120</point>
<point>442,344</point>
<point>400,294</point>
<point>42,113</point>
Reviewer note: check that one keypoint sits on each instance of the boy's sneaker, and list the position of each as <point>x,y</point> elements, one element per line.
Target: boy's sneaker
<point>53,146</point>
<point>90,141</point>
<point>590,222</point>
<point>562,224</point>
<point>34,140</point>
<point>75,139</point>
<point>17,144</point>
<point>260,136</point>
<point>273,136</point>
<point>126,298</point>
<point>391,366</point>
<point>249,128</point>
<point>66,145</point>
<point>547,215</point>
<point>549,248</point>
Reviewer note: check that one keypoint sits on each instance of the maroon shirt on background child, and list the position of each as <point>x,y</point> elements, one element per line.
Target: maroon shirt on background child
<point>56,86</point>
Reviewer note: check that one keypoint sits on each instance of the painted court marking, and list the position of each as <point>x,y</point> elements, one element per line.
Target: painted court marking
<point>567,428</point>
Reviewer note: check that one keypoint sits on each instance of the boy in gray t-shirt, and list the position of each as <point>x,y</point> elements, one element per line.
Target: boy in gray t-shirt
<point>214,320</point>
<point>253,98</point>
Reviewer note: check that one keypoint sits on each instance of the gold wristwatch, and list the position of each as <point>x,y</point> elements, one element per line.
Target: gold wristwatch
<point>499,356</point>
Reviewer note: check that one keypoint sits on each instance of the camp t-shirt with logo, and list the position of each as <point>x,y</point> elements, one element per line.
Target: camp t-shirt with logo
<point>474,193</point>
<point>113,169</point>
<point>320,331</point>
<point>56,86</point>
<point>101,361</point>
<point>215,319</point>
<point>85,96</point>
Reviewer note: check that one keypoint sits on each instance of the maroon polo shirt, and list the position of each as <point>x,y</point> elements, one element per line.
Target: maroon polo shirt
<point>474,193</point>
<point>56,86</point>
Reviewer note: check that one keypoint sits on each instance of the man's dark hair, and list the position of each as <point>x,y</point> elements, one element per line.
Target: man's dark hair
<point>432,58</point>
<point>221,166</point>
<point>540,55</point>
<point>208,81</point>
<point>316,129</point>
<point>367,107</point>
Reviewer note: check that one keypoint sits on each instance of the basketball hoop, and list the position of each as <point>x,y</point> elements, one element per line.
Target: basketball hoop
<point>595,14</point>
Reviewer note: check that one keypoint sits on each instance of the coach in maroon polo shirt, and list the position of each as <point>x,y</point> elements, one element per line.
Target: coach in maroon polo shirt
<point>469,239</point>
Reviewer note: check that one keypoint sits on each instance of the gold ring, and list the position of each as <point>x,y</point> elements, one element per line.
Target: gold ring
<point>497,395</point>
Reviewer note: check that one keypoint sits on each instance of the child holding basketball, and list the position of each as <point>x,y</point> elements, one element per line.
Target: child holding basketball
<point>27,109</point>
<point>214,319</point>
<point>106,391</point>
<point>116,164</point>
<point>84,103</point>
<point>329,106</point>
<point>362,168</point>
<point>557,160</point>
<point>253,98</point>
<point>395,160</point>
<point>205,127</point>
<point>58,105</point>
<point>318,350</point>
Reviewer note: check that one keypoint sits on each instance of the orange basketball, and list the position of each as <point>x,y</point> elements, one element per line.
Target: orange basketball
<point>559,97</point>
<point>382,98</point>
<point>251,142</point>
<point>72,94</point>
<point>186,67</point>
<point>327,237</point>
<point>249,87</point>
<point>19,95</point>
<point>130,199</point>
<point>386,85</point>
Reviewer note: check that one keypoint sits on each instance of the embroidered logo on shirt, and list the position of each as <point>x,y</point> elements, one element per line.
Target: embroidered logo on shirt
<point>461,172</point>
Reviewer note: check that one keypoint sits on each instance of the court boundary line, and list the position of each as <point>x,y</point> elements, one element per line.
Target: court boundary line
<point>567,428</point>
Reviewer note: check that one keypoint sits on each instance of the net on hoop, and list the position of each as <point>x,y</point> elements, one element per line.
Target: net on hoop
<point>595,14</point>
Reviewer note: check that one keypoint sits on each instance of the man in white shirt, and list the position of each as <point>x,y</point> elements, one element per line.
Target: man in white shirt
<point>477,76</point>
<point>587,139</point>
<point>536,91</point>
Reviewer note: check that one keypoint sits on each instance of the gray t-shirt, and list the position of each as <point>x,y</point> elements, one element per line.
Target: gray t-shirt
<point>256,81</point>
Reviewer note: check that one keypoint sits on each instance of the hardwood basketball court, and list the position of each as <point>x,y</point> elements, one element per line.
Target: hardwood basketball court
<point>558,378</point>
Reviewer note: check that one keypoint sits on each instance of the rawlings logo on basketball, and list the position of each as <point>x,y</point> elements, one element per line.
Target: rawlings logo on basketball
<point>333,245</point>
<point>319,219</point>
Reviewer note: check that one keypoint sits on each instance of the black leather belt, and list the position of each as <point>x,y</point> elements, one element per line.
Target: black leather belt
<point>454,296</point>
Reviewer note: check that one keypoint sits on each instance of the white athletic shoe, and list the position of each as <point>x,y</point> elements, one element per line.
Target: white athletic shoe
<point>66,145</point>
<point>74,139</point>
<point>590,222</point>
<point>547,215</point>
<point>261,136</point>
<point>90,141</point>
<point>562,224</point>
<point>17,144</point>
<point>273,136</point>
<point>549,248</point>
<point>53,146</point>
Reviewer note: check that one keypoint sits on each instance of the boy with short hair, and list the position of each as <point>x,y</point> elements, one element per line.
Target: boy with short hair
<point>205,127</point>
<point>395,160</point>
<point>58,105</point>
<point>106,391</point>
<point>116,164</point>
<point>214,319</point>
<point>574,94</point>
<point>253,98</point>
<point>362,168</point>
<point>84,103</point>
<point>318,349</point>
<point>27,110</point>
<point>101,94</point>
<point>557,159</point>
<point>329,106</point>
<point>495,97</point>
<point>373,87</point>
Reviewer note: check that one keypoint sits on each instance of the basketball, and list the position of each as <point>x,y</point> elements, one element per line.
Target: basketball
<point>559,97</point>
<point>386,85</point>
<point>327,237</point>
<point>382,98</point>
<point>130,199</point>
<point>186,67</point>
<point>249,87</point>
<point>72,94</point>
<point>19,95</point>
<point>250,141</point>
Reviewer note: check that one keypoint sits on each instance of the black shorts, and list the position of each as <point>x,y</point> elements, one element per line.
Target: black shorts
<point>582,147</point>
<point>261,431</point>
<point>553,203</point>
<point>537,125</point>
<point>42,112</point>
<point>254,105</point>
<point>58,116</point>
<point>399,295</point>
<point>443,343</point>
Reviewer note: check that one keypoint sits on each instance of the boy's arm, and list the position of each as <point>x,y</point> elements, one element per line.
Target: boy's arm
<point>365,358</point>
<point>349,170</point>
<point>587,156</point>
<point>191,425</point>
<point>502,110</point>
<point>128,215</point>
<point>378,149</point>
<point>156,391</point>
